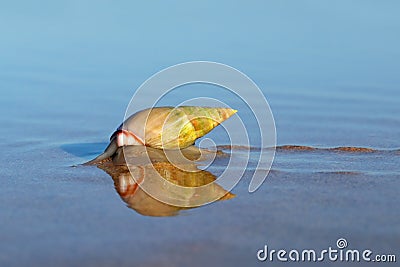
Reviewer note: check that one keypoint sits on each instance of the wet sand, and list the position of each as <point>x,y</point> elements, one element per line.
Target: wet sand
<point>63,215</point>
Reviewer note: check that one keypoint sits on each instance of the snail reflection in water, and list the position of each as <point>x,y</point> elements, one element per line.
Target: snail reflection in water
<point>145,165</point>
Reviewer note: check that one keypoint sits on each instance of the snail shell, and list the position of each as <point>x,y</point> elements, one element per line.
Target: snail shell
<point>165,128</point>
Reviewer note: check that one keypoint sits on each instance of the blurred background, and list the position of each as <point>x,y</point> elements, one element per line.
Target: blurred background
<point>326,67</point>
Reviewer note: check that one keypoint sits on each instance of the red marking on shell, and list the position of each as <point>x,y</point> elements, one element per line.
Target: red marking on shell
<point>127,138</point>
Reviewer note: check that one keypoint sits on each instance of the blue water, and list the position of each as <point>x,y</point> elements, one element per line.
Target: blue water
<point>68,70</point>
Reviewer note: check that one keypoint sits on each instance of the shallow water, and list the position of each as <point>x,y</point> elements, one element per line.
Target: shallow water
<point>67,77</point>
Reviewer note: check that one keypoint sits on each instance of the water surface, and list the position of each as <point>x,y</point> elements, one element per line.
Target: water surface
<point>328,70</point>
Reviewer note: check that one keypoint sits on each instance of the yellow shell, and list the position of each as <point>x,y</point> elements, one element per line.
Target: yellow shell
<point>174,128</point>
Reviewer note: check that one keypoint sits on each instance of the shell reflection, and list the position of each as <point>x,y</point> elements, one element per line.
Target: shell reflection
<point>146,165</point>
